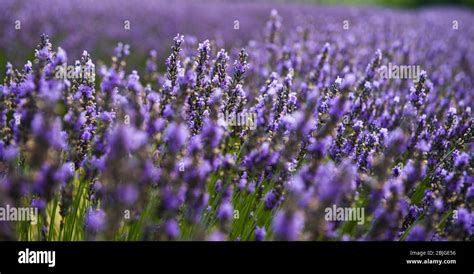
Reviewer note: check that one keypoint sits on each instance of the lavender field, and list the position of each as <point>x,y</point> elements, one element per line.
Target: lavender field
<point>151,121</point>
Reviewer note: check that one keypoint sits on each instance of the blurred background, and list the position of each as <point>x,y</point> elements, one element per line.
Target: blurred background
<point>97,26</point>
<point>394,3</point>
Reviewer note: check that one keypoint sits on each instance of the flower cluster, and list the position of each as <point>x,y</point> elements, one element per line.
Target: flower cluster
<point>125,156</point>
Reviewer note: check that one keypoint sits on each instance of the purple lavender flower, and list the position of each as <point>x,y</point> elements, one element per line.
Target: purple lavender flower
<point>225,211</point>
<point>260,233</point>
<point>288,226</point>
<point>172,229</point>
<point>95,220</point>
<point>176,135</point>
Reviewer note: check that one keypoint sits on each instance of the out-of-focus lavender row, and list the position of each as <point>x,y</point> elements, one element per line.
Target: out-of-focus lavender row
<point>98,25</point>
